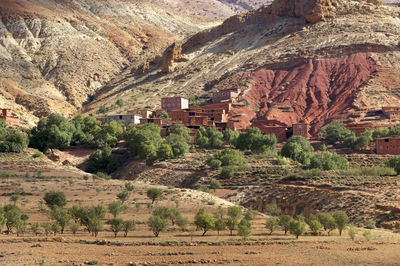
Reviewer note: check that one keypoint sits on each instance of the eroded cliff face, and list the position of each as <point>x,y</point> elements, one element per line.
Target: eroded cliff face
<point>56,54</point>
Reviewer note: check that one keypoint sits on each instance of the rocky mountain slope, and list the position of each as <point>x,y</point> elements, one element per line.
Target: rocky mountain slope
<point>212,8</point>
<point>54,54</point>
<point>294,60</point>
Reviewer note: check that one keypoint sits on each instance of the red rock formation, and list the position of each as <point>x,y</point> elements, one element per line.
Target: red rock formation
<point>317,91</point>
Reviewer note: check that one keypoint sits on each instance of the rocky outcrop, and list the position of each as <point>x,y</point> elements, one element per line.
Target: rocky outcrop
<point>173,54</point>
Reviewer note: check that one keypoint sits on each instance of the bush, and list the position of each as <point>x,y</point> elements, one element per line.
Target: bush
<point>117,225</point>
<point>102,160</point>
<point>367,235</point>
<point>284,221</point>
<point>328,161</point>
<point>299,149</point>
<point>87,129</point>
<point>116,207</point>
<point>143,141</point>
<point>215,184</point>
<point>55,199</point>
<point>227,172</point>
<point>394,163</point>
<point>178,145</point>
<point>209,138</point>
<point>370,224</point>
<point>165,152</point>
<point>273,209</point>
<point>61,217</point>
<point>214,164</point>
<point>352,232</point>
<point>229,157</point>
<point>230,136</point>
<point>253,140</point>
<point>38,154</point>
<point>315,226</point>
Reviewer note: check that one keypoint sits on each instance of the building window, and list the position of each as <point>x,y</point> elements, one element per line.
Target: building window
<point>386,140</point>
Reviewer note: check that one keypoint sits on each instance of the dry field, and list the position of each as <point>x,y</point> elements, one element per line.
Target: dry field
<point>172,246</point>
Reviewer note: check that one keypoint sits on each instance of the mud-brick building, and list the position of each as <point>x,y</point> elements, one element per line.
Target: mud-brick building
<point>174,103</point>
<point>392,112</point>
<point>225,95</point>
<point>10,118</point>
<point>301,129</point>
<point>143,113</point>
<point>126,118</point>
<point>388,146</point>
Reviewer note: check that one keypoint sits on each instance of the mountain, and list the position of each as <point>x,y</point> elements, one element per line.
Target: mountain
<point>217,9</point>
<point>313,60</point>
<point>55,54</point>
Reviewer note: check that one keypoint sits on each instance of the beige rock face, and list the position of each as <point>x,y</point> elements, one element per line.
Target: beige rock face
<point>173,54</point>
<point>54,55</point>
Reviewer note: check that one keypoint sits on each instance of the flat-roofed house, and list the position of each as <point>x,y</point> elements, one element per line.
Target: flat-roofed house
<point>174,103</point>
<point>387,146</point>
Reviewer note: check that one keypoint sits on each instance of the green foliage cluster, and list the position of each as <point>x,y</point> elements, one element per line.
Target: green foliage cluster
<point>394,163</point>
<point>299,149</point>
<point>102,160</point>
<point>11,140</point>
<point>386,132</point>
<point>328,161</point>
<point>228,159</point>
<point>12,217</point>
<point>253,140</point>
<point>209,138</point>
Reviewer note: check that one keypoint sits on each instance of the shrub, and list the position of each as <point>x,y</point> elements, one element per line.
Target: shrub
<point>74,227</point>
<point>394,163</point>
<point>367,235</point>
<point>214,164</point>
<point>230,136</point>
<point>143,141</point>
<point>299,149</point>
<point>370,224</point>
<point>328,161</point>
<point>55,199</point>
<point>123,196</point>
<point>36,228</point>
<point>157,224</point>
<point>227,172</point>
<point>272,209</point>
<point>182,222</point>
<point>12,216</point>
<point>86,131</point>
<point>60,216</point>
<point>272,224</point>
<point>165,152</point>
<point>230,157</point>
<point>253,140</point>
<point>178,145</point>
<point>315,226</point>
<point>215,184</point>
<point>38,154</point>
<point>102,160</point>
<point>352,232</point>
<point>209,138</point>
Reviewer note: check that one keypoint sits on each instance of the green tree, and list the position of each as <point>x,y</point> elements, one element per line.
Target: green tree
<point>123,196</point>
<point>14,198</point>
<point>75,212</point>
<point>154,194</point>
<point>119,102</point>
<point>182,131</point>
<point>129,187</point>
<point>128,226</point>
<point>204,220</point>
<point>109,134</point>
<point>297,228</point>
<point>3,219</point>
<point>117,225</point>
<point>86,129</point>
<point>232,223</point>
<point>335,132</point>
<point>178,145</point>
<point>12,140</point>
<point>157,224</point>
<point>227,172</point>
<point>247,139</point>
<point>61,216</point>
<point>341,220</point>
<point>182,222</point>
<point>52,132</point>
<point>13,216</point>
<point>273,209</point>
<point>209,138</point>
<point>235,212</point>
<point>74,227</point>
<point>250,215</point>
<point>143,141</point>
<point>36,228</point>
<point>219,223</point>
<point>55,228</point>
<point>284,221</point>
<point>163,115</point>
<point>116,207</point>
<point>244,228</point>
<point>229,157</point>
<point>299,149</point>
<point>214,164</point>
<point>55,199</point>
<point>315,226</point>
<point>272,224</point>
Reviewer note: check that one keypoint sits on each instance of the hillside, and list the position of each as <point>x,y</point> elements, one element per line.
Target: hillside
<point>55,54</point>
<point>313,61</point>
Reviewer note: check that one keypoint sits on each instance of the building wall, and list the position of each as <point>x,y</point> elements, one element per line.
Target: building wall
<point>388,146</point>
<point>141,112</point>
<point>126,118</point>
<point>225,95</point>
<point>173,103</point>
<point>301,129</point>
<point>279,132</point>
